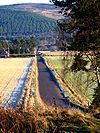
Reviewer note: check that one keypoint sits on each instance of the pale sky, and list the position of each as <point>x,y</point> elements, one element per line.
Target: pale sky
<point>8,2</point>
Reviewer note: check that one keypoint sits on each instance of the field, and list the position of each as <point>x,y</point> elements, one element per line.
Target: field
<point>11,72</point>
<point>19,86</point>
<point>82,82</point>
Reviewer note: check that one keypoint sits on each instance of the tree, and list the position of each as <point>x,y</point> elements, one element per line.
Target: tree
<point>31,43</point>
<point>18,45</point>
<point>85,27</point>
<point>24,45</point>
<point>3,45</point>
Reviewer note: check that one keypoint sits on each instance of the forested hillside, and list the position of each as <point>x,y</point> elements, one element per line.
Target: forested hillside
<point>23,23</point>
<point>47,10</point>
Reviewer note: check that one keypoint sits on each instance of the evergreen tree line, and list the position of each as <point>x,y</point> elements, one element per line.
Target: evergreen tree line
<point>23,23</point>
<point>19,46</point>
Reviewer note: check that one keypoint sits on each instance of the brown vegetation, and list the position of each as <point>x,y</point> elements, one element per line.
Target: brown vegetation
<point>27,100</point>
<point>51,121</point>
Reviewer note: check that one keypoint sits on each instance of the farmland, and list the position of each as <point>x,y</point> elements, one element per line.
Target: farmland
<point>12,70</point>
<point>30,118</point>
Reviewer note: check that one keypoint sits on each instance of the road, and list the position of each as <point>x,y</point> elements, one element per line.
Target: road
<point>49,90</point>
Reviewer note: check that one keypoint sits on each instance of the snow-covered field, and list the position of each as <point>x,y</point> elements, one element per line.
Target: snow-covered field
<point>13,73</point>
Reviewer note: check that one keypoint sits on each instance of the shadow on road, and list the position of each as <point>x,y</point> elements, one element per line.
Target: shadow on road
<point>49,90</point>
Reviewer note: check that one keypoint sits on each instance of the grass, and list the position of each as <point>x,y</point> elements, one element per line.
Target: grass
<point>48,121</point>
<point>81,81</point>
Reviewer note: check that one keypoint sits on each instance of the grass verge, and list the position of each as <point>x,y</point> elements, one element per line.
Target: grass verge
<point>81,82</point>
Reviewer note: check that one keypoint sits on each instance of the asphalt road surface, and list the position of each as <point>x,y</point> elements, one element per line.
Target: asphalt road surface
<point>49,91</point>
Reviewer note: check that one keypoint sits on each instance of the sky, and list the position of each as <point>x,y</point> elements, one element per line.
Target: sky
<point>8,2</point>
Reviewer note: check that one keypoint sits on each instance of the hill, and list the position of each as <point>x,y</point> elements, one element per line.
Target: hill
<point>48,10</point>
<point>32,6</point>
<point>15,22</point>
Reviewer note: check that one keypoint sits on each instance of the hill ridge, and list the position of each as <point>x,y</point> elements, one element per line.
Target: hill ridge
<point>17,22</point>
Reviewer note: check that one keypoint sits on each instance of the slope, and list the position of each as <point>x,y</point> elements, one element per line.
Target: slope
<point>23,23</point>
<point>48,10</point>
